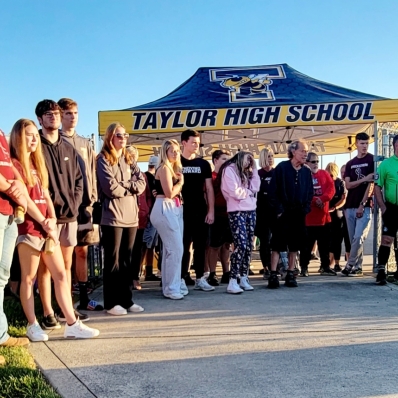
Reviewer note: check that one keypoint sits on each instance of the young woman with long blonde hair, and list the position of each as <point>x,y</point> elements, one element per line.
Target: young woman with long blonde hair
<point>166,217</point>
<point>27,157</point>
<point>119,182</point>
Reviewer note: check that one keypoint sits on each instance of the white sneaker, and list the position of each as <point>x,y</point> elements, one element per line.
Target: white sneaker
<point>174,296</point>
<point>135,308</point>
<point>35,333</point>
<point>183,288</point>
<point>80,331</point>
<point>233,287</point>
<point>201,284</point>
<point>244,283</point>
<point>117,310</point>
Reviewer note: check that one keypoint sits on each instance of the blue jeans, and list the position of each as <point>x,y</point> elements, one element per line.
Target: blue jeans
<point>8,236</point>
<point>358,229</point>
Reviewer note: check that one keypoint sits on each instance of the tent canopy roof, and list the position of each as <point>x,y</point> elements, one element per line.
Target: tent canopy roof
<point>250,107</point>
<point>254,86</point>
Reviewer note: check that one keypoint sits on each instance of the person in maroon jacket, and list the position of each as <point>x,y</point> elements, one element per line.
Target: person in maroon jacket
<point>11,195</point>
<point>220,231</point>
<point>144,205</point>
<point>318,219</point>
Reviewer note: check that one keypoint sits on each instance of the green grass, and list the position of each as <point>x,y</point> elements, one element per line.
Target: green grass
<point>19,377</point>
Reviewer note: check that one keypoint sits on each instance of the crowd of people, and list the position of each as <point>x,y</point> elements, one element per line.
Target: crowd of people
<point>192,216</point>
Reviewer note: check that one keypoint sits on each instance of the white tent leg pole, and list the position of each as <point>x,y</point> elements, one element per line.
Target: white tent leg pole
<point>376,229</point>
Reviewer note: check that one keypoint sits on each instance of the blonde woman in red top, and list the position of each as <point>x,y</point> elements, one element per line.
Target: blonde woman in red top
<point>27,157</point>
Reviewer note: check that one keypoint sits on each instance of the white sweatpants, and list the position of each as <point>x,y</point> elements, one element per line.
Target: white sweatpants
<point>166,217</point>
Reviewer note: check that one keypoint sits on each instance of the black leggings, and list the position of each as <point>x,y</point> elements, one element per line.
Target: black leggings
<point>336,236</point>
<point>263,232</point>
<point>118,248</point>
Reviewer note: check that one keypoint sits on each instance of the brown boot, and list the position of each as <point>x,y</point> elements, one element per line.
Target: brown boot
<point>2,360</point>
<point>16,342</point>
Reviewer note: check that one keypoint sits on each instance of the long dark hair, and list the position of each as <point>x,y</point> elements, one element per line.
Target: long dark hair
<point>245,175</point>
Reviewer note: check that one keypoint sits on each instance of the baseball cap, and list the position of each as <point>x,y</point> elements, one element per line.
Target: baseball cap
<point>153,161</point>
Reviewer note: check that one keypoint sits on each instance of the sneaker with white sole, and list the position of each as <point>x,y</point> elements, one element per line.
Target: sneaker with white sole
<point>35,333</point>
<point>183,288</point>
<point>201,284</point>
<point>80,331</point>
<point>117,310</point>
<point>174,296</point>
<point>135,308</point>
<point>233,287</point>
<point>244,284</point>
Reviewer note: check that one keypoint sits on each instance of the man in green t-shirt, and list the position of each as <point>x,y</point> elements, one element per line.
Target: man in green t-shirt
<point>387,180</point>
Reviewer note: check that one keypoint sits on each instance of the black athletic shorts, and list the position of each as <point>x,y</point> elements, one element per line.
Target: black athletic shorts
<point>220,232</point>
<point>288,232</point>
<point>390,220</point>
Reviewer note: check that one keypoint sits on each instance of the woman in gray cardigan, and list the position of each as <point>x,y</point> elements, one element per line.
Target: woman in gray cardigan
<point>119,183</point>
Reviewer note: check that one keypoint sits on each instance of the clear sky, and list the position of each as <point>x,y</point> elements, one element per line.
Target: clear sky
<point>117,54</point>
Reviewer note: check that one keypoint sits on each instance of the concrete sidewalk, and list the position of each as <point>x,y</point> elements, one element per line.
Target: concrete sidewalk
<point>330,337</point>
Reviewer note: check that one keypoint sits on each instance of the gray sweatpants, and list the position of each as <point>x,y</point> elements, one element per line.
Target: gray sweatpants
<point>358,229</point>
<point>166,217</point>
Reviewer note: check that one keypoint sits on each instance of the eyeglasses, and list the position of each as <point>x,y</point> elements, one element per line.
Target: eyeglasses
<point>120,135</point>
<point>314,161</point>
<point>52,114</point>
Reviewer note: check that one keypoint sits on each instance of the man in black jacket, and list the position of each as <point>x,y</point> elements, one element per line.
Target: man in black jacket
<point>66,191</point>
<point>291,193</point>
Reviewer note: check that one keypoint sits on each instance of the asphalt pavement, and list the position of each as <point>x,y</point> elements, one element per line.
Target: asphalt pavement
<point>330,337</point>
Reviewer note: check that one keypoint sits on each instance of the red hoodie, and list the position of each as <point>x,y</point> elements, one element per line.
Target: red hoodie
<point>323,189</point>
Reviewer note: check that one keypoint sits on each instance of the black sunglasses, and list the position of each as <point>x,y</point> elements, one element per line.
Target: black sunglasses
<point>314,161</point>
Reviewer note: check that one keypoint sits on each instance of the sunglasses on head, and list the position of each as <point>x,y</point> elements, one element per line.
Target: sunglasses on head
<point>120,135</point>
<point>314,161</point>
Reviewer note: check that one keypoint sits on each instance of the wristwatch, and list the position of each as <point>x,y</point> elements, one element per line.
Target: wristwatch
<point>363,204</point>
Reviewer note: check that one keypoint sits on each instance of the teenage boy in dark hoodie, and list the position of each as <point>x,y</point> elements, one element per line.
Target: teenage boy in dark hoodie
<point>66,191</point>
<point>86,234</point>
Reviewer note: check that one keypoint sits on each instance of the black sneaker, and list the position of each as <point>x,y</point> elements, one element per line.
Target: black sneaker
<point>50,323</point>
<point>251,272</point>
<point>328,272</point>
<point>337,268</point>
<point>346,271</point>
<point>82,317</point>
<point>381,278</point>
<point>189,281</point>
<point>290,279</point>
<point>273,281</point>
<point>356,273</point>
<point>152,278</point>
<point>320,270</point>
<point>261,271</point>
<point>304,273</point>
<point>225,277</point>
<point>296,271</point>
<point>395,276</point>
<point>212,280</point>
<point>267,274</point>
